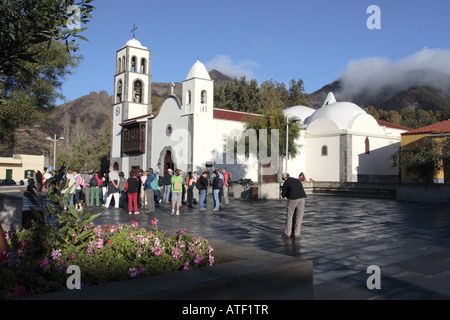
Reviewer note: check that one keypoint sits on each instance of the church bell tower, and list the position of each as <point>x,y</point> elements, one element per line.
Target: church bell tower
<point>131,105</point>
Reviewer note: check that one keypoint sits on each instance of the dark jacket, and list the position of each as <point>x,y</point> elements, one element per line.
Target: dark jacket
<point>167,178</point>
<point>202,183</point>
<point>132,185</point>
<point>293,189</point>
<point>215,183</point>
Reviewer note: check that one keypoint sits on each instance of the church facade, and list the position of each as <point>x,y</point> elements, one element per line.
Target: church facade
<point>338,142</point>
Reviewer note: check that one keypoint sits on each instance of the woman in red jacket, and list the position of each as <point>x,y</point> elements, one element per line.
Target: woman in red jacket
<point>132,189</point>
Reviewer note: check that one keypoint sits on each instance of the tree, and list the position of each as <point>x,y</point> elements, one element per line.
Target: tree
<point>275,119</point>
<point>29,95</point>
<point>424,158</point>
<point>85,154</point>
<point>35,57</point>
<point>297,95</point>
<point>28,27</point>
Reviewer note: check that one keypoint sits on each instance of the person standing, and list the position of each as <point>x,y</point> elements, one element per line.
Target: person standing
<point>177,191</point>
<point>167,185</point>
<point>226,183</point>
<point>87,189</point>
<point>70,186</point>
<point>122,193</point>
<point>132,188</point>
<point>143,194</point>
<point>190,186</point>
<point>104,185</point>
<point>293,190</point>
<point>216,190</point>
<point>113,188</point>
<point>202,186</point>
<point>79,185</point>
<point>149,191</point>
<point>95,194</point>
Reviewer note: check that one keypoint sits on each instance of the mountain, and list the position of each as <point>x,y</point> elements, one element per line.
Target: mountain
<point>392,98</point>
<point>85,117</point>
<point>161,90</point>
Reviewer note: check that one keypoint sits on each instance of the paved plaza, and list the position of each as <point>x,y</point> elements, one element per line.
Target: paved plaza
<point>342,236</point>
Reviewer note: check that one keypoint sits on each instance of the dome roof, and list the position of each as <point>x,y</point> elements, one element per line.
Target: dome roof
<point>302,112</point>
<point>198,70</point>
<point>341,113</point>
<point>134,43</point>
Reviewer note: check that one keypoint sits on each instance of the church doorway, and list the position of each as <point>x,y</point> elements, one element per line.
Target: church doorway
<point>168,162</point>
<point>136,169</point>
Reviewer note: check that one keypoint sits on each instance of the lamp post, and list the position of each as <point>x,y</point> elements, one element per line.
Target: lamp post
<point>294,119</point>
<point>54,140</point>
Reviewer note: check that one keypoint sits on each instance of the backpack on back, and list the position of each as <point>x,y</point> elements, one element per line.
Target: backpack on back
<point>93,182</point>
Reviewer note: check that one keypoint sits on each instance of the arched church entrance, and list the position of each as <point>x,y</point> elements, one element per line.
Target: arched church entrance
<point>168,162</point>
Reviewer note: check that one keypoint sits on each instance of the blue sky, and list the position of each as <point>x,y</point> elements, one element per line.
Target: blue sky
<point>279,40</point>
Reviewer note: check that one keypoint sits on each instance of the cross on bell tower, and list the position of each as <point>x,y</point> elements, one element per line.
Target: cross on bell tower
<point>133,30</point>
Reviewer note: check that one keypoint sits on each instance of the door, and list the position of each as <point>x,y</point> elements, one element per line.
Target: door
<point>168,162</point>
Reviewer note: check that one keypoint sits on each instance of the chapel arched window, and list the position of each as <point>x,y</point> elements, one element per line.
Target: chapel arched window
<point>137,91</point>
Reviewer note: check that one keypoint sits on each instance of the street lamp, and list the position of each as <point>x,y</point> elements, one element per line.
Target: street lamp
<point>294,119</point>
<point>54,148</point>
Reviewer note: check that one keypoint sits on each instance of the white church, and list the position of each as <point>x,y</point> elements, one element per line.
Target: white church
<point>338,142</point>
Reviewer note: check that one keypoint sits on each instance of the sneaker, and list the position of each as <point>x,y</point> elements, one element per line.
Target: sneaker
<point>215,209</point>
<point>136,212</point>
<point>178,213</point>
<point>173,212</point>
<point>129,212</point>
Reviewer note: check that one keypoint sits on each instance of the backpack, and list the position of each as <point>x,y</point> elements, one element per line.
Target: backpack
<point>154,183</point>
<point>220,183</point>
<point>93,182</point>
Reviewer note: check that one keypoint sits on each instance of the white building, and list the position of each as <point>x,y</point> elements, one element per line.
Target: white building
<point>338,142</point>
<point>341,142</point>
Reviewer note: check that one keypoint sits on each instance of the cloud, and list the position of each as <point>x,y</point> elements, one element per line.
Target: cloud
<point>375,75</point>
<point>227,66</point>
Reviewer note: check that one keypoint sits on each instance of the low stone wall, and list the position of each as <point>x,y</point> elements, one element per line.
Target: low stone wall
<point>10,211</point>
<point>437,192</point>
<point>272,190</point>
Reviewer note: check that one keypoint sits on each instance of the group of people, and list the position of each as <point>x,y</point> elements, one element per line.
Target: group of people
<point>141,189</point>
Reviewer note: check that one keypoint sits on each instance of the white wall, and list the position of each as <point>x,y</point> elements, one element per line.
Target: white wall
<point>318,167</point>
<point>170,113</point>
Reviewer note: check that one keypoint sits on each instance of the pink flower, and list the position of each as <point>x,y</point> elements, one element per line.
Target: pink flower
<point>18,291</point>
<point>198,259</point>
<point>186,266</point>
<point>44,264</point>
<point>56,254</point>
<point>154,222</point>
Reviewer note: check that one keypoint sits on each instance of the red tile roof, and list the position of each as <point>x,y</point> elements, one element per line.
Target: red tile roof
<point>392,125</point>
<point>231,115</point>
<point>440,127</point>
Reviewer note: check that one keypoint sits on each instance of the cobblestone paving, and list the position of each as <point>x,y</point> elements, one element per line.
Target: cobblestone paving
<point>342,236</point>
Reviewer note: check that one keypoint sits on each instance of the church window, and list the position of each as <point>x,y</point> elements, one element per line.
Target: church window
<point>367,145</point>
<point>204,96</point>
<point>119,65</point>
<point>324,150</point>
<point>124,64</point>
<point>133,64</point>
<point>119,91</point>
<point>137,91</point>
<point>169,130</point>
<point>188,101</point>
<point>143,65</point>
